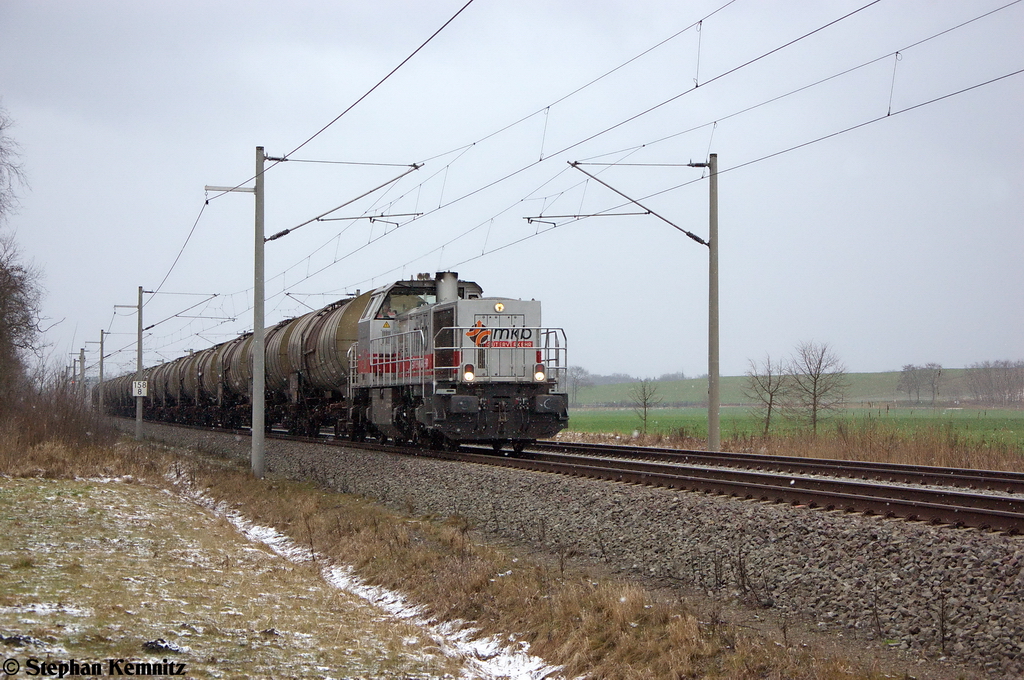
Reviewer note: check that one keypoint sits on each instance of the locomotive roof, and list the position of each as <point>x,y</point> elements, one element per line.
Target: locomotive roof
<point>467,289</point>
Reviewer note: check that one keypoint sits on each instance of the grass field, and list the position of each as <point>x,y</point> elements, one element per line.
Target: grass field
<point>978,426</point>
<point>864,388</point>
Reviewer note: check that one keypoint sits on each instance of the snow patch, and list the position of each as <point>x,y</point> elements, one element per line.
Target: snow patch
<point>487,658</point>
<point>46,608</point>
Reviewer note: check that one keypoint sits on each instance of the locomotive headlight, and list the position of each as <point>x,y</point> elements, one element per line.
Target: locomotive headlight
<point>468,373</point>
<point>499,307</point>
<point>539,374</point>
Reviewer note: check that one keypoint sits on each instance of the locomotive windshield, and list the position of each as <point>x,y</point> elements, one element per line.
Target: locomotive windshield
<point>405,296</point>
<point>401,302</point>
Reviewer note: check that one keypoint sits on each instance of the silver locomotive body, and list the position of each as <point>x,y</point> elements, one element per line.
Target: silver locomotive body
<point>435,359</point>
<point>429,361</point>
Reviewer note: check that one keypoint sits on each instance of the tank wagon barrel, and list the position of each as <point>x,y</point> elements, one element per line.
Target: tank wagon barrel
<point>419,360</point>
<point>326,341</point>
<point>210,372</point>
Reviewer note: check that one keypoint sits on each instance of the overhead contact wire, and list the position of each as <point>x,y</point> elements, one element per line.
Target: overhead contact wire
<point>382,80</point>
<point>182,250</point>
<point>467,147</point>
<point>359,100</point>
<point>757,160</point>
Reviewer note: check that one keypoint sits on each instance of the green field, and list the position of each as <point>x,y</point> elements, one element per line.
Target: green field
<point>975,424</point>
<point>864,388</point>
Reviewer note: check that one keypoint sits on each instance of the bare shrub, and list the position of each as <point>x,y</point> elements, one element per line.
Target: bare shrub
<point>50,410</point>
<point>643,395</point>
<point>766,386</point>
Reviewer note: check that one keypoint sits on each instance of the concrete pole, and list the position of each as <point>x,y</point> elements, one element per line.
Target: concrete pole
<point>99,401</point>
<point>259,355</point>
<point>714,395</point>
<point>138,375</point>
<point>81,374</point>
<point>101,373</point>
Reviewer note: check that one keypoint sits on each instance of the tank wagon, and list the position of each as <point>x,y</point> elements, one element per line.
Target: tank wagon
<point>425,360</point>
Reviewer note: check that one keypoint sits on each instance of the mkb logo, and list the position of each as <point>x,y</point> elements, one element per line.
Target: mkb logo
<point>500,337</point>
<point>479,335</point>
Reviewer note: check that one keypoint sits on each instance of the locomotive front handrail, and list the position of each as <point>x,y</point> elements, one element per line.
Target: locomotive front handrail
<point>390,360</point>
<point>503,353</point>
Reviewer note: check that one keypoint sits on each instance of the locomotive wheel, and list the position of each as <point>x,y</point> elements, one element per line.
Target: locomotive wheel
<point>497,444</point>
<point>518,447</point>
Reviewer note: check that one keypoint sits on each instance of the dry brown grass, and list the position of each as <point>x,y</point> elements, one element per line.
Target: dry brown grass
<point>938,446</point>
<point>593,626</point>
<point>52,412</point>
<point>115,565</point>
<point>866,440</point>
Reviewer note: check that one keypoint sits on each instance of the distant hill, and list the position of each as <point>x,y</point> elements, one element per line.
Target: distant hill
<point>864,387</point>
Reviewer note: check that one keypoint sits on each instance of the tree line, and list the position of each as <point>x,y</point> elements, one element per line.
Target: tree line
<point>995,383</point>
<point>37,403</point>
<point>19,283</point>
<point>985,383</point>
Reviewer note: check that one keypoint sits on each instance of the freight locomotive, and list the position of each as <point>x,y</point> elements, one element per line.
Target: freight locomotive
<point>428,361</point>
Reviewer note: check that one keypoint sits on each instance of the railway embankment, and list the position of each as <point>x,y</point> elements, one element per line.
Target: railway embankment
<point>935,591</point>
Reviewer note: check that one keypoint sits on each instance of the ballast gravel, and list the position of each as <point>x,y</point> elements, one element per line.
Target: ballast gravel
<point>934,590</point>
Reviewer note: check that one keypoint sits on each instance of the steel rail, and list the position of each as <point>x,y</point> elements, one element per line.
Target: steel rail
<point>937,506</point>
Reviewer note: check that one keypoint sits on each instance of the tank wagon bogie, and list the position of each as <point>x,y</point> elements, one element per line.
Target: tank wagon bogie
<point>427,361</point>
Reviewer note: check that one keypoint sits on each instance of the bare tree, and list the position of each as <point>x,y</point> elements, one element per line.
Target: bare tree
<point>766,384</point>
<point>19,317</point>
<point>817,382</point>
<point>996,382</point>
<point>11,172</point>
<point>19,290</point>
<point>979,379</point>
<point>932,376</point>
<point>644,396</point>
<point>578,377</point>
<point>910,381</point>
<point>915,378</point>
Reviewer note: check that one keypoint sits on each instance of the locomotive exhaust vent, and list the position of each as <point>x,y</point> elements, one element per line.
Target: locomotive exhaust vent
<point>447,287</point>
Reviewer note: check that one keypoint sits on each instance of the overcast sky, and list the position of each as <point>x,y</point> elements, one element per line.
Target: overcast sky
<point>899,241</point>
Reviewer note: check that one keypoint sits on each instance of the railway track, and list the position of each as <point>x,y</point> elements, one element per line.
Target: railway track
<point>910,499</point>
<point>989,480</point>
<point>988,500</point>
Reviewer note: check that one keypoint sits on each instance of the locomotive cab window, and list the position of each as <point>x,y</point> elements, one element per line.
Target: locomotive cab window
<point>397,303</point>
<point>372,307</point>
